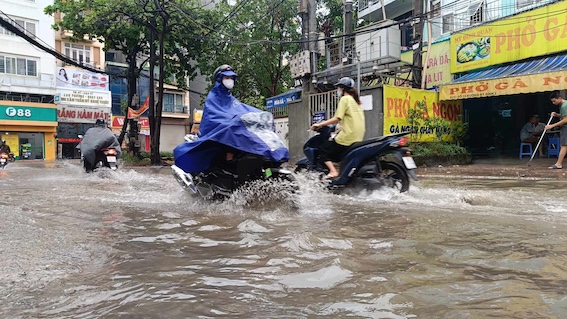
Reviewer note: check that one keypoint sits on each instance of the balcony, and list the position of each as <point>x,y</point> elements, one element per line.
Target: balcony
<point>175,111</point>
<point>371,10</point>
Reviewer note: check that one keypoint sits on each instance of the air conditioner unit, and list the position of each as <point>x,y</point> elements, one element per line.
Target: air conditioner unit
<point>374,43</point>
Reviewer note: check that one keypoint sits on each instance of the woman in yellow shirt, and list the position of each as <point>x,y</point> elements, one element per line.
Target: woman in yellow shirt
<point>351,117</point>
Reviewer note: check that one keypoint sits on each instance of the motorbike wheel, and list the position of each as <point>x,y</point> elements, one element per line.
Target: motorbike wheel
<point>394,176</point>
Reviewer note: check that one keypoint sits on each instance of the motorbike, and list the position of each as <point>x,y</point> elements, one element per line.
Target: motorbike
<point>105,157</point>
<point>383,161</point>
<point>223,178</point>
<point>4,158</point>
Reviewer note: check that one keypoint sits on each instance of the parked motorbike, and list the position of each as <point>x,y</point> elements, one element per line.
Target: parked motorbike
<point>4,158</point>
<point>223,178</point>
<point>377,162</point>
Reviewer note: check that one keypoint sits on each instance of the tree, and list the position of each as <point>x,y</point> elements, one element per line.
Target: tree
<point>248,35</point>
<point>137,27</point>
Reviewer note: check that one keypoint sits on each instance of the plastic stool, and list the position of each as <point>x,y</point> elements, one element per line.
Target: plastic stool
<point>523,146</point>
<point>554,147</point>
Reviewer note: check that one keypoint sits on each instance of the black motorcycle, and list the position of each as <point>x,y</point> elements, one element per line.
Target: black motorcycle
<point>377,162</point>
<point>106,157</point>
<point>224,177</point>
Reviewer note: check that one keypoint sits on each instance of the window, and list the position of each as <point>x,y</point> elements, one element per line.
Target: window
<point>435,10</point>
<point>25,25</point>
<point>19,66</point>
<point>173,103</point>
<point>476,12</point>
<point>448,23</point>
<point>77,52</point>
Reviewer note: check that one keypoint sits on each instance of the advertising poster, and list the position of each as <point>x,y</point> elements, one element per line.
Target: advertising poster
<point>531,34</point>
<point>81,79</point>
<point>398,101</point>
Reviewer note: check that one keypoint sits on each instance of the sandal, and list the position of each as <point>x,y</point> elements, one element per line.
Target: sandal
<point>555,167</point>
<point>330,177</point>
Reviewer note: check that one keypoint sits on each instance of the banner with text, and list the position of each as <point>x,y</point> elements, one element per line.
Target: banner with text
<point>506,86</point>
<point>82,114</point>
<point>438,67</point>
<point>83,98</point>
<point>398,101</point>
<point>535,33</point>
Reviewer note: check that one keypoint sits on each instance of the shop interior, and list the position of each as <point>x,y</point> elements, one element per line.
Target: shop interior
<point>495,122</point>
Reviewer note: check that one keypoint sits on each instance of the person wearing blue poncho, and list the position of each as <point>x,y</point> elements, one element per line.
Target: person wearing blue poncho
<point>229,127</point>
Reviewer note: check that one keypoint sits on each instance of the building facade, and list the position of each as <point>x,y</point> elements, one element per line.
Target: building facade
<point>27,82</point>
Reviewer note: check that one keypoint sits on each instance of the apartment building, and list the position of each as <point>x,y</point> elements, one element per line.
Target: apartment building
<point>28,117</point>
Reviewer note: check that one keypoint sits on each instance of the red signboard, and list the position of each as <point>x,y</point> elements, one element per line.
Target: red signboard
<point>69,140</point>
<point>118,121</point>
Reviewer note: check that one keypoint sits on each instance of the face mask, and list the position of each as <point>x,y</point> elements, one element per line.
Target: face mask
<point>339,93</point>
<point>228,83</point>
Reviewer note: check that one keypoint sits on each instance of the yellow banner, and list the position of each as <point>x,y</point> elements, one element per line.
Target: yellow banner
<point>531,34</point>
<point>398,101</point>
<point>438,67</point>
<point>13,141</point>
<point>506,86</point>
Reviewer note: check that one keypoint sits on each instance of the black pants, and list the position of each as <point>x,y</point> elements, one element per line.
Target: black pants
<point>331,151</point>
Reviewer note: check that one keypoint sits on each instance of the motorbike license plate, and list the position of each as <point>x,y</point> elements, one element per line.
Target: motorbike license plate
<point>111,159</point>
<point>409,162</point>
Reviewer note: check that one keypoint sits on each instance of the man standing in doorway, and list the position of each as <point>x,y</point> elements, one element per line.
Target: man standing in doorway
<point>557,100</point>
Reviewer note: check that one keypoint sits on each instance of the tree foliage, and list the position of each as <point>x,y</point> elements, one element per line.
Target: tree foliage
<point>247,35</point>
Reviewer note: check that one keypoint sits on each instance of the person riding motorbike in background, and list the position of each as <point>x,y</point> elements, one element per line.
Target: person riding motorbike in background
<point>4,148</point>
<point>229,128</point>
<point>351,118</point>
<point>95,139</point>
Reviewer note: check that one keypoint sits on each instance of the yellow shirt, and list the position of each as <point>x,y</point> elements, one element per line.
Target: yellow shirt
<point>352,121</point>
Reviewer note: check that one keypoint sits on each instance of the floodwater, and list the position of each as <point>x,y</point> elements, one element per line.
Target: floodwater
<point>132,244</point>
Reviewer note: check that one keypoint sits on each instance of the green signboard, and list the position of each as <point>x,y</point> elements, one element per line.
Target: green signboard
<point>28,113</point>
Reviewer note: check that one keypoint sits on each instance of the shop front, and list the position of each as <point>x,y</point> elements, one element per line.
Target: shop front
<point>82,98</point>
<point>29,129</point>
<point>505,72</point>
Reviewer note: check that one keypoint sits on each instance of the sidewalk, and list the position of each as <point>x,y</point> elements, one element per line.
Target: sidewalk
<point>505,168</point>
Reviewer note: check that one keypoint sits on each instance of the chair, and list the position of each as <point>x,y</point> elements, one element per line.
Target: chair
<point>523,146</point>
<point>554,147</point>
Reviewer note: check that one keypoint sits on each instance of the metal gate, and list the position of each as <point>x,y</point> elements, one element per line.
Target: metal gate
<point>326,101</point>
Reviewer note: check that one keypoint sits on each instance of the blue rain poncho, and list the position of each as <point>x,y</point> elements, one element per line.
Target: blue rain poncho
<point>227,121</point>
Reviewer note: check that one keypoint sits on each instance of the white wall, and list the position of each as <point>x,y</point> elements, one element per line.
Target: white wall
<point>13,45</point>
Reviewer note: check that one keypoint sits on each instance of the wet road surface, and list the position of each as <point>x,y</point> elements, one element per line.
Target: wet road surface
<point>132,244</point>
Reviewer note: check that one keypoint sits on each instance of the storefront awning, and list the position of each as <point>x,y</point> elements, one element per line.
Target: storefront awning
<point>539,75</point>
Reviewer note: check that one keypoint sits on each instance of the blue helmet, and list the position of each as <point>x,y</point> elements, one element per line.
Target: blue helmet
<point>223,70</point>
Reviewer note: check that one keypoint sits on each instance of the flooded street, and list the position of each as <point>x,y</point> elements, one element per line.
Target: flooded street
<point>133,244</point>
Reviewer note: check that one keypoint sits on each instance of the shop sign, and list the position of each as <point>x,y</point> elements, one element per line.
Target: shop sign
<point>505,86</point>
<point>283,99</point>
<point>197,116</point>
<point>318,117</point>
<point>24,113</point>
<point>83,98</point>
<point>81,79</point>
<point>398,101</point>
<point>535,33</point>
<point>438,67</point>
<point>80,114</point>
<point>13,141</point>
<point>118,121</point>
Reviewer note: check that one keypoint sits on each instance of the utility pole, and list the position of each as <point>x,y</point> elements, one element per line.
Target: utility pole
<point>418,39</point>
<point>348,49</point>
<point>429,18</point>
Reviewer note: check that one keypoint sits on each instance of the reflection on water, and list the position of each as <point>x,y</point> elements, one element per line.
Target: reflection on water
<point>134,245</point>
